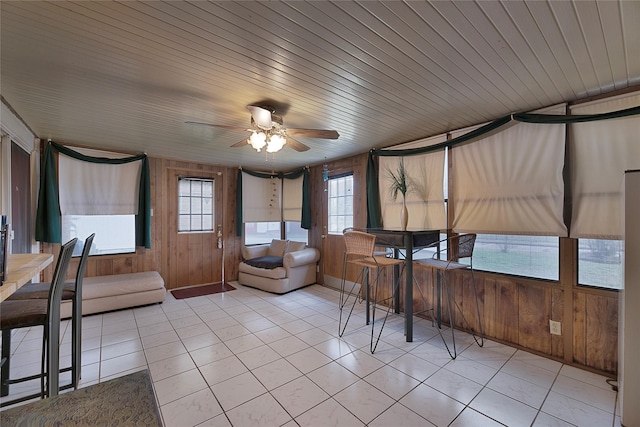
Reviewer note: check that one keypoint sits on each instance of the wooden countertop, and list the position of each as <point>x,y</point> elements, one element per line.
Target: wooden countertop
<point>21,269</point>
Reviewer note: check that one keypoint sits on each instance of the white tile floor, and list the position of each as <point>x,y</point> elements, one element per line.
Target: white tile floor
<point>248,357</point>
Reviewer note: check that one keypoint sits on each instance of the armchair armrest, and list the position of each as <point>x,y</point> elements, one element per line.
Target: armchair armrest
<point>301,257</point>
<point>249,252</point>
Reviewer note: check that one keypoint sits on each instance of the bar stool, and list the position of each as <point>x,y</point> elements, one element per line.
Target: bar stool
<point>38,312</point>
<point>458,247</point>
<point>359,252</point>
<point>72,290</point>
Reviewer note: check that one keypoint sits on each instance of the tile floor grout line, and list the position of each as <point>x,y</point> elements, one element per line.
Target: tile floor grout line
<point>318,302</point>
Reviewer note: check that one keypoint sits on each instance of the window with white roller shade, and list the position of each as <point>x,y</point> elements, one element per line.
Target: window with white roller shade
<point>511,182</point>
<point>261,199</point>
<point>600,153</point>
<point>96,188</point>
<point>292,199</point>
<point>425,198</point>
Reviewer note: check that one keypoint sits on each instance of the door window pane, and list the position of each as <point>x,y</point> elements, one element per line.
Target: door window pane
<point>340,203</point>
<point>195,204</point>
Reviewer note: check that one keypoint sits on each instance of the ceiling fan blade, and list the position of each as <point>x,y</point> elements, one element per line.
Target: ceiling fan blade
<point>261,117</point>
<point>240,143</point>
<point>219,126</point>
<point>296,145</point>
<point>313,133</point>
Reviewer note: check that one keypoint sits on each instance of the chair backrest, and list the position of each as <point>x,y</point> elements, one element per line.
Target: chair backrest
<point>461,246</point>
<point>82,266</point>
<point>57,282</point>
<point>359,243</point>
<point>4,252</point>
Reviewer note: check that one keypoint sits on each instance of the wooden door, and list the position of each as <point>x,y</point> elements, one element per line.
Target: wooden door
<point>194,258</point>
<point>20,200</point>
<point>333,244</point>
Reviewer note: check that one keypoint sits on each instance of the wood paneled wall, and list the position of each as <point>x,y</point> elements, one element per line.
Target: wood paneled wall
<point>181,259</point>
<point>514,310</point>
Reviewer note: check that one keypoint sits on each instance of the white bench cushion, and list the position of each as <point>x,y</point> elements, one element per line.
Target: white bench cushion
<point>120,284</point>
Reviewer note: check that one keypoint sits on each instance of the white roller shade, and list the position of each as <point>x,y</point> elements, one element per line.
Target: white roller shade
<point>292,199</point>
<point>600,153</point>
<point>98,189</point>
<point>511,181</point>
<point>425,200</point>
<point>260,199</point>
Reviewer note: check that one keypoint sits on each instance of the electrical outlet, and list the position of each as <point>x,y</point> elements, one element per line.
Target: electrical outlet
<point>555,327</point>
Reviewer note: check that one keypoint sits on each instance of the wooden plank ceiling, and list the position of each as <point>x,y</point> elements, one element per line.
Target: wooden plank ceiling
<point>127,75</point>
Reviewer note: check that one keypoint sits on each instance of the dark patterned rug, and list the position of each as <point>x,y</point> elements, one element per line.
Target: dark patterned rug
<point>123,401</point>
<point>198,291</point>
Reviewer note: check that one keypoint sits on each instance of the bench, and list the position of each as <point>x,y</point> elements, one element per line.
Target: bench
<point>106,293</point>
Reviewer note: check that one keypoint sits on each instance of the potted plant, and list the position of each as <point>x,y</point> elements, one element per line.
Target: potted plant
<point>400,183</point>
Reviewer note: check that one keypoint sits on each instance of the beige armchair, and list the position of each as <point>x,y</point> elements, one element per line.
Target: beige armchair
<point>279,267</point>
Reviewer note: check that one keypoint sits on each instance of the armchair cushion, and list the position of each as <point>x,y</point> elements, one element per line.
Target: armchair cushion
<point>277,247</point>
<point>268,262</point>
<point>295,246</point>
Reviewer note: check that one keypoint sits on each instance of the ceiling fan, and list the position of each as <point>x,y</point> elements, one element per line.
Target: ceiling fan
<point>267,130</point>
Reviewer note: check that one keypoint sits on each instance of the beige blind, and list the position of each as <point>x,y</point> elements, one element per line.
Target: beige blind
<point>600,153</point>
<point>98,189</point>
<point>511,182</point>
<point>425,200</point>
<point>260,199</point>
<point>292,199</point>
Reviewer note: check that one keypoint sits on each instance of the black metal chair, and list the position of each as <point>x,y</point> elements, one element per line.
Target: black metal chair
<point>4,252</point>
<point>38,312</point>
<point>72,291</point>
<point>360,247</point>
<point>457,248</point>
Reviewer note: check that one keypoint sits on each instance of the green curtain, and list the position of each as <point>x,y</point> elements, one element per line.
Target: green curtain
<point>48,221</point>
<point>374,216</point>
<point>48,226</point>
<point>554,119</point>
<point>305,221</point>
<point>143,218</point>
<point>374,210</point>
<point>239,204</point>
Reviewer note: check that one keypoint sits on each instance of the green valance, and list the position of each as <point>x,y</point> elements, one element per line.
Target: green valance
<point>305,221</point>
<point>374,213</point>
<point>48,217</point>
<point>556,119</point>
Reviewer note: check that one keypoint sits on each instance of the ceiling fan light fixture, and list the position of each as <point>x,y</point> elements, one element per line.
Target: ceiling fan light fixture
<point>261,117</point>
<point>257,140</point>
<point>268,131</point>
<point>275,143</point>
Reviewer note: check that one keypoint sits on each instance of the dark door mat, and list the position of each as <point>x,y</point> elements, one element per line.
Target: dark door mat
<point>198,291</point>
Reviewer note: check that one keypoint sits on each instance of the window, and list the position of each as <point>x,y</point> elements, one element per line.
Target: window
<point>256,233</point>
<point>431,250</point>
<point>530,256</point>
<point>600,263</point>
<point>195,204</point>
<point>293,231</point>
<point>115,234</point>
<point>340,206</point>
